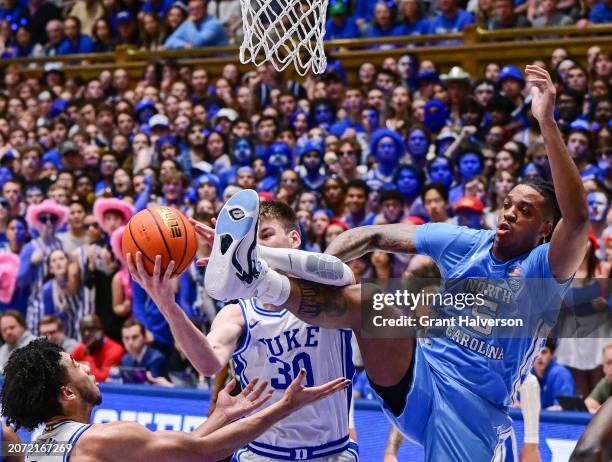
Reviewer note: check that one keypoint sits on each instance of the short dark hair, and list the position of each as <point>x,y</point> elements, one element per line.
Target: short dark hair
<point>438,187</point>
<point>33,377</point>
<point>546,189</point>
<point>16,315</point>
<point>391,195</point>
<point>358,184</point>
<point>133,322</point>
<point>276,210</point>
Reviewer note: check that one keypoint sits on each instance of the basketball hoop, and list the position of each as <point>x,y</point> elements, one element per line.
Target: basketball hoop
<point>284,32</point>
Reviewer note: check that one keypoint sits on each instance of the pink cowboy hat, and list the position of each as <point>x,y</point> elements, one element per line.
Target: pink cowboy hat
<point>9,267</point>
<point>115,242</point>
<point>47,206</point>
<point>103,205</point>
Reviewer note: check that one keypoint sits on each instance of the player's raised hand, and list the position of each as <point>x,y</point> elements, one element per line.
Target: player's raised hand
<point>543,93</point>
<point>205,232</point>
<point>158,286</point>
<point>297,395</point>
<point>235,407</point>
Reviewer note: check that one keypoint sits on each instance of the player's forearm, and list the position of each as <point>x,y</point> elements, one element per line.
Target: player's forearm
<point>566,178</point>
<point>352,244</point>
<point>394,442</point>
<point>226,440</point>
<point>192,341</point>
<point>213,423</point>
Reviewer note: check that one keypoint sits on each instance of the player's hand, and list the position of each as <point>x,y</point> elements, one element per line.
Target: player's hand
<point>297,395</point>
<point>543,93</point>
<point>235,407</point>
<point>207,233</point>
<point>157,286</point>
<point>530,453</point>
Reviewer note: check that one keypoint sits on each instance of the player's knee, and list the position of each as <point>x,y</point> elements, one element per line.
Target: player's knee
<point>587,452</point>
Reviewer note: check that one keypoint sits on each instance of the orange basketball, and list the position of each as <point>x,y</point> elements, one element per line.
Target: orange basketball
<point>163,231</point>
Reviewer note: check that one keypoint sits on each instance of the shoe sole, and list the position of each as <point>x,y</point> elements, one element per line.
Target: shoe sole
<point>238,218</point>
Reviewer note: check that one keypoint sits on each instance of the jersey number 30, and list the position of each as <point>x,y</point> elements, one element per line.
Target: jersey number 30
<point>287,372</point>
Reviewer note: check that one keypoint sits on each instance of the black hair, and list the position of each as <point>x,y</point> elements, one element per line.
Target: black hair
<point>547,190</point>
<point>438,187</point>
<point>391,194</point>
<point>575,95</point>
<point>414,169</point>
<point>33,377</point>
<point>358,184</point>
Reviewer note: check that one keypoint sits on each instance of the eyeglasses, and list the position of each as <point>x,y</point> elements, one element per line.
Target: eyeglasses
<point>48,218</point>
<point>346,153</point>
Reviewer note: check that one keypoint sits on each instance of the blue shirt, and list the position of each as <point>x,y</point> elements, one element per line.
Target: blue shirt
<point>207,32</point>
<point>160,12</point>
<point>421,27</point>
<point>376,32</point>
<point>491,361</point>
<point>83,44</point>
<point>348,30</point>
<point>152,360</point>
<point>601,13</point>
<point>364,9</point>
<point>557,381</point>
<point>338,128</point>
<point>442,25</point>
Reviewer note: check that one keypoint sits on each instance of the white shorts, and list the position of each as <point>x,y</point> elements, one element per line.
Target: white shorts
<point>244,455</point>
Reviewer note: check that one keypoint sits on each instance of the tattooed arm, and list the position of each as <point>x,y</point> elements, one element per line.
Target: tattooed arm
<point>352,244</point>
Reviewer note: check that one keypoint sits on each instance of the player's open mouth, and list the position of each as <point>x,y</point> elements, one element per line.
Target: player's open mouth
<point>503,229</point>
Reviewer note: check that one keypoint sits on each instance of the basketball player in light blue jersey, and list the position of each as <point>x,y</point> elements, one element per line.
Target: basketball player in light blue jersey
<point>274,346</point>
<point>450,392</point>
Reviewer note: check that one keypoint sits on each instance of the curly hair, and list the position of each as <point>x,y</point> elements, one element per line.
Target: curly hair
<point>33,377</point>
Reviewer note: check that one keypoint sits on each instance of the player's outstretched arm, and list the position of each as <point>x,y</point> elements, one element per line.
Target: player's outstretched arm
<point>595,444</point>
<point>352,244</point>
<point>569,240</point>
<point>207,354</point>
<point>128,441</point>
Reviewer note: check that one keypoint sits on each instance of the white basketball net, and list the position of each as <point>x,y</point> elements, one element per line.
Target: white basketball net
<point>284,32</point>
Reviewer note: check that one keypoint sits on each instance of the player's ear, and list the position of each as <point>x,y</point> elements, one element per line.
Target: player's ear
<point>296,239</point>
<point>67,393</point>
<point>547,230</point>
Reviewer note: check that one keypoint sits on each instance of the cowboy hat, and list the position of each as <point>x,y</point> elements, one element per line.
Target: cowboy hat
<point>103,205</point>
<point>48,206</point>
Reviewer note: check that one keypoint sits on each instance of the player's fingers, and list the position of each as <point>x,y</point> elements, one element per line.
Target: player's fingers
<point>169,272</point>
<point>157,268</point>
<point>249,387</point>
<point>140,266</point>
<point>297,382</point>
<point>332,387</point>
<point>131,267</point>
<point>258,402</point>
<point>230,386</point>
<point>257,393</point>
<point>202,261</point>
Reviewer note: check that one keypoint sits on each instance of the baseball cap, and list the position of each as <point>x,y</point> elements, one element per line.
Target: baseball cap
<point>159,120</point>
<point>469,203</point>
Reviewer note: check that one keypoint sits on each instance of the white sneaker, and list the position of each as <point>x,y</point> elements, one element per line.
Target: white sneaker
<point>234,269</point>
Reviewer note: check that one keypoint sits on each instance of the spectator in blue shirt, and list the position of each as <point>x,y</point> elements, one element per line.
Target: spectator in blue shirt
<point>384,25</point>
<point>601,13</point>
<point>414,20</point>
<point>157,7</point>
<point>138,353</point>
<point>339,25</point>
<point>364,11</point>
<point>555,379</point>
<point>75,42</point>
<point>450,19</point>
<point>198,30</point>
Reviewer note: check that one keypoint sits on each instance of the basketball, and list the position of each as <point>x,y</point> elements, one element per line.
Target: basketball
<point>161,231</point>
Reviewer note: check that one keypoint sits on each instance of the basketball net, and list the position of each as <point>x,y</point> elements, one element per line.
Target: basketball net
<point>284,32</point>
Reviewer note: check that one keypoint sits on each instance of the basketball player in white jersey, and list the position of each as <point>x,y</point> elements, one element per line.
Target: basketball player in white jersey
<point>44,385</point>
<point>274,345</point>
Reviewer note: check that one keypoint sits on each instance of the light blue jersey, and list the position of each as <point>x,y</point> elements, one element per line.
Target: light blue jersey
<point>490,360</point>
<point>464,376</point>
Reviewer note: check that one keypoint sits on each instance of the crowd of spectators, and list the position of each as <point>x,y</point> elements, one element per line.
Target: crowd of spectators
<point>403,143</point>
<point>54,27</point>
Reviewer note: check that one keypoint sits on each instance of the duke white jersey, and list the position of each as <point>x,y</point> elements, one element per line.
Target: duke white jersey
<point>56,442</point>
<point>275,346</point>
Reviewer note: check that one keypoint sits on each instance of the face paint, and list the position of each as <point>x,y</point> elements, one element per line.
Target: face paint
<point>469,166</point>
<point>373,119</point>
<point>598,206</point>
<point>323,115</point>
<point>440,172</point>
<point>408,183</point>
<point>386,150</point>
<point>417,143</point>
<point>243,152</point>
<point>435,115</point>
<point>278,158</point>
